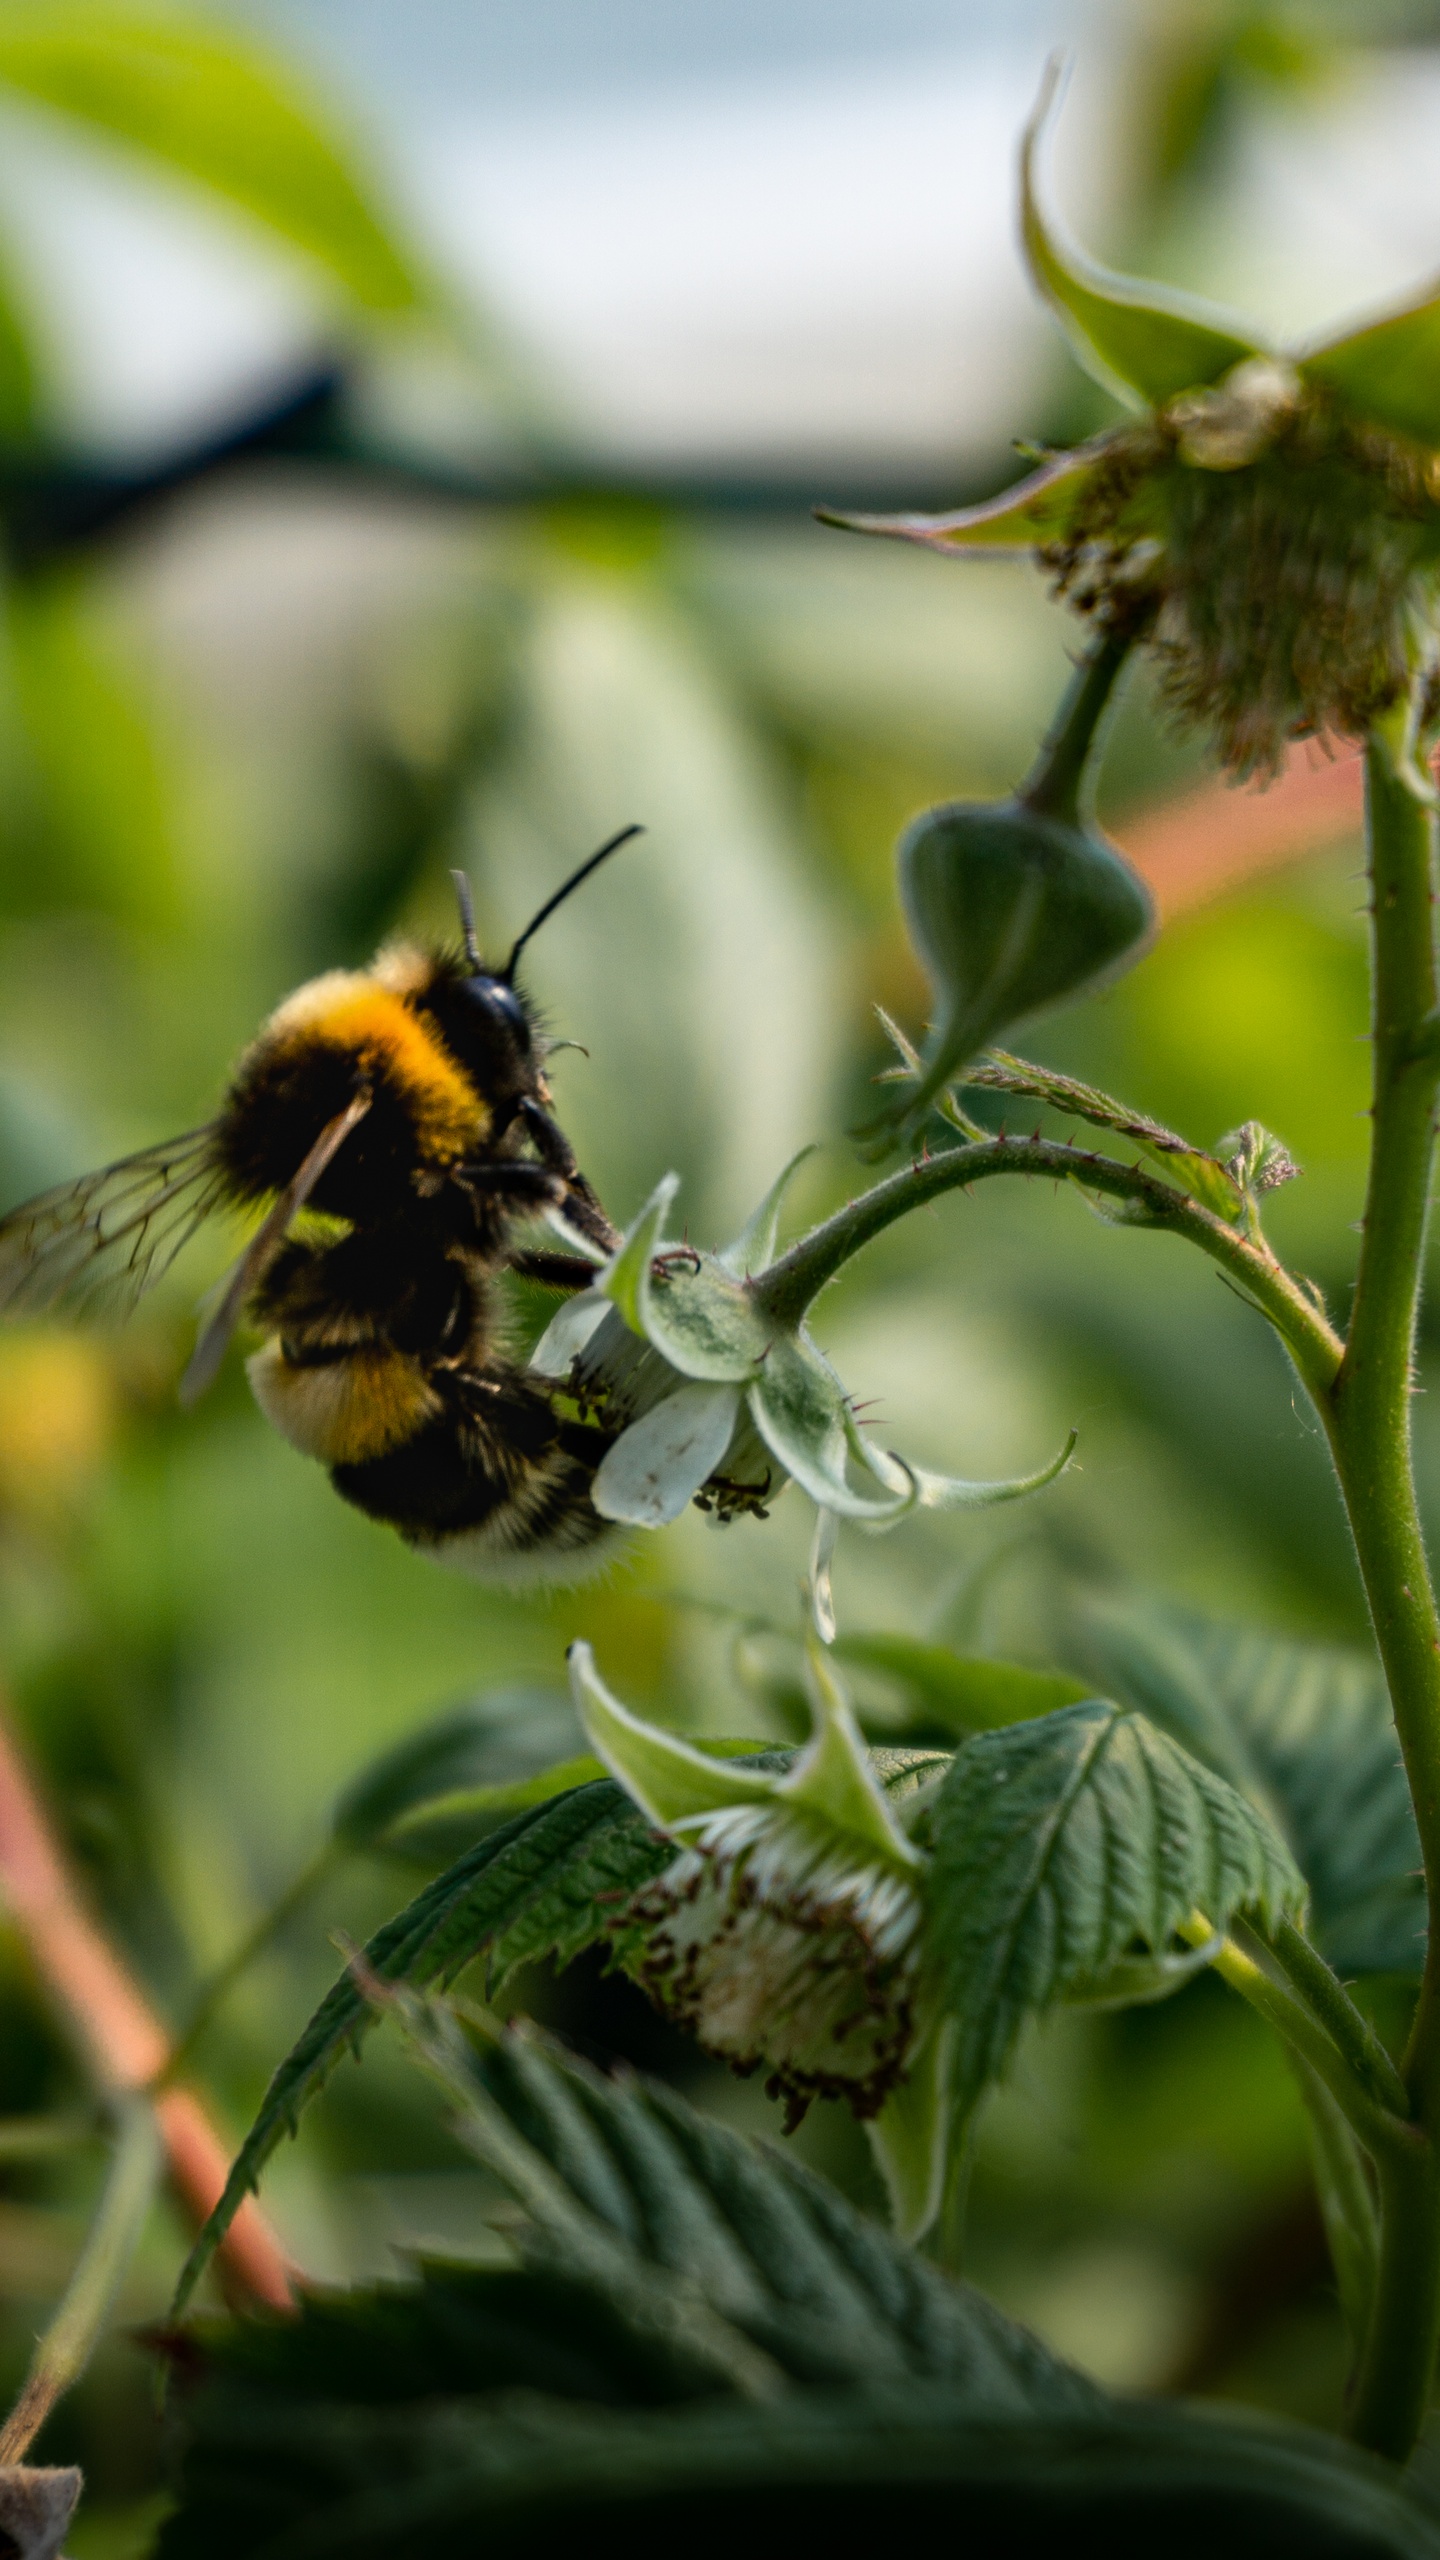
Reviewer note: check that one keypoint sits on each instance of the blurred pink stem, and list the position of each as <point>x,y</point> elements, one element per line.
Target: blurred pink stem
<point>123,2041</point>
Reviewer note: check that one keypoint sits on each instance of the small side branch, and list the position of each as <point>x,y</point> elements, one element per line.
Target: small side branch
<point>65,2349</point>
<point>788,1287</point>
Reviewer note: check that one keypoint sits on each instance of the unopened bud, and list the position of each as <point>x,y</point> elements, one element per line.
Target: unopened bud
<point>1014,905</point>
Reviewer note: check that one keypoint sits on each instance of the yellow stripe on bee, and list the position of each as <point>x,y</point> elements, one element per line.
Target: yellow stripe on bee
<point>347,1009</point>
<point>347,1410</point>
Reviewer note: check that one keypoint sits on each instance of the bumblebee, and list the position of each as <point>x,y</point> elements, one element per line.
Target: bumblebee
<point>404,1109</point>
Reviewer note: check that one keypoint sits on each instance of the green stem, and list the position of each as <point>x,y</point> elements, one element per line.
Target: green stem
<point>1392,2392</point>
<point>223,1980</point>
<point>1347,2200</point>
<point>1248,1965</point>
<point>788,1287</point>
<point>1061,782</point>
<point>1367,1415</point>
<point>66,2347</point>
<point>1326,1994</point>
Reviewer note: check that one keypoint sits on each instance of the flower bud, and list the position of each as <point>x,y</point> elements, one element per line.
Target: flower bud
<point>1013,905</point>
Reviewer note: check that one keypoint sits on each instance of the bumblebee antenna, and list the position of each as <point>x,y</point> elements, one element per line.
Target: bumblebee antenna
<point>563,892</point>
<point>467,920</point>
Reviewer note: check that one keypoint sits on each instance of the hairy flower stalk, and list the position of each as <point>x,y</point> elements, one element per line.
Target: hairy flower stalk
<point>717,1398</point>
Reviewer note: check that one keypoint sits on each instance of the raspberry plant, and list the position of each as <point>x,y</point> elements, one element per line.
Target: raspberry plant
<point>689,2325</point>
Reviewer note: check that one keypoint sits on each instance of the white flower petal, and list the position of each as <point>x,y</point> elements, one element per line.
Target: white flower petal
<point>658,1465</point>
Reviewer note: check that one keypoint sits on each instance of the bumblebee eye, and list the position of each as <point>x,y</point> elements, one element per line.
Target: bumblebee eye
<point>495,997</point>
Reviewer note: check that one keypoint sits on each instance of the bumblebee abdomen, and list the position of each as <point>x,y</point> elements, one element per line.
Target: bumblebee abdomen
<point>495,1486</point>
<point>340,1034</point>
<point>347,1410</point>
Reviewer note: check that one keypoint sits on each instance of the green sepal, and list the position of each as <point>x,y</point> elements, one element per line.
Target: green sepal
<point>754,1246</point>
<point>833,1780</point>
<point>703,1321</point>
<point>681,1788</point>
<point>1038,510</point>
<point>672,1782</point>
<point>910,2137</point>
<point>962,1493</point>
<point>1388,373</point>
<point>696,1313</point>
<point>1141,341</point>
<point>623,1279</point>
<point>799,1409</point>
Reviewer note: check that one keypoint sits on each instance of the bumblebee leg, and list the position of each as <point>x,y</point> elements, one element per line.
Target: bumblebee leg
<point>551,1144</point>
<point>554,1270</point>
<point>530,1186</point>
<point>579,1204</point>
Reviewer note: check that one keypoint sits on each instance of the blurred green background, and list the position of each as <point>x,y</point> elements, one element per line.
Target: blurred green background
<point>493,592</point>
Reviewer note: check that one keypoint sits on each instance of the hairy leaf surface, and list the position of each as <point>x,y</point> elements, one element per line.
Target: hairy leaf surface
<point>1307,1731</point>
<point>703,2338</point>
<point>549,1883</point>
<point>1063,1844</point>
<point>212,107</point>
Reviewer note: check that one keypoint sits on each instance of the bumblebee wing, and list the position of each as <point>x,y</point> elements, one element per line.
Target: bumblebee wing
<point>265,1243</point>
<point>111,1235</point>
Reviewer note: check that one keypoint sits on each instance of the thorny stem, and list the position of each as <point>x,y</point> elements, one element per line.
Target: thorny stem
<point>1367,1416</point>
<point>123,2043</point>
<point>788,1287</point>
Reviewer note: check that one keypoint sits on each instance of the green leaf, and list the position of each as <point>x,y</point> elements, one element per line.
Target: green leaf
<point>89,814</point>
<point>1316,1722</point>
<point>1061,1846</point>
<point>621,2375</point>
<point>1141,341</point>
<point>1304,1729</point>
<point>955,1694</point>
<point>549,1883</point>
<point>507,1738</point>
<point>220,111</point>
<point>1388,372</point>
<point>1202,1175</point>
<point>1028,516</point>
<point>858,2470</point>
<point>21,405</point>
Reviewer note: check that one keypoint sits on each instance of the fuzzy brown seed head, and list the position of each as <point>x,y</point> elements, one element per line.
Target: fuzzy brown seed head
<point>776,1956</point>
<point>1283,557</point>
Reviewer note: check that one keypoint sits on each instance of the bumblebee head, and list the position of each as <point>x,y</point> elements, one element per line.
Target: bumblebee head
<point>497,1011</point>
<point>486,1020</point>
